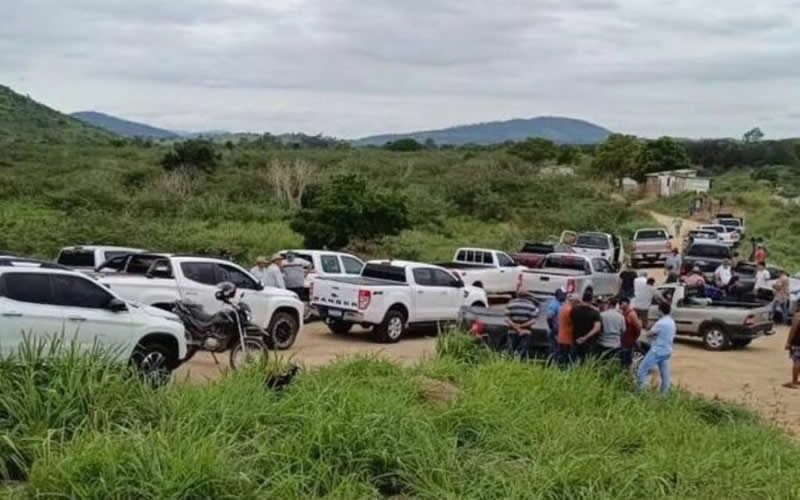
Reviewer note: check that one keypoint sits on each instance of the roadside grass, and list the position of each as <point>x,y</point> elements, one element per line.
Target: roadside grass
<point>367,428</point>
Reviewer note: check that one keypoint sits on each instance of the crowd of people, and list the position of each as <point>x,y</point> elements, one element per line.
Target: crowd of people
<point>287,272</point>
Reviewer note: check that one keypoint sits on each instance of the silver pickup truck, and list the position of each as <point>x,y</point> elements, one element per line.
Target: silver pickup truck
<point>573,273</point>
<point>721,324</point>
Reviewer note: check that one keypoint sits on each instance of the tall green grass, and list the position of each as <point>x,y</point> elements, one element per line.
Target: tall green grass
<point>367,428</point>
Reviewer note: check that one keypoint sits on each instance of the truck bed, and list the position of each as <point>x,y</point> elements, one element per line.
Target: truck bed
<point>358,280</point>
<point>460,265</point>
<point>551,271</point>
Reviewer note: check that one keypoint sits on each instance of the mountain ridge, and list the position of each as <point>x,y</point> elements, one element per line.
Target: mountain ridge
<point>123,127</point>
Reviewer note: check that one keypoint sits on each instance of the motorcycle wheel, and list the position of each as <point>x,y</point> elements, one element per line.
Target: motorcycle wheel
<point>254,351</point>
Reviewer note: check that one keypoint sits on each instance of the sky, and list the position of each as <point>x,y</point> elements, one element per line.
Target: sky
<point>350,68</point>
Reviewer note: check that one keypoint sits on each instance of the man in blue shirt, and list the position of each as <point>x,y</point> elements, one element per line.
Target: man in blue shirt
<point>662,334</point>
<point>553,309</point>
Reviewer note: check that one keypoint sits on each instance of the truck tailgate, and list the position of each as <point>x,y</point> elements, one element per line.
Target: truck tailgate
<point>336,293</point>
<point>651,246</point>
<point>544,281</point>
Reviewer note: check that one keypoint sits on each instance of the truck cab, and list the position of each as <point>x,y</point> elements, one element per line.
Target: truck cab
<point>493,270</point>
<point>596,244</point>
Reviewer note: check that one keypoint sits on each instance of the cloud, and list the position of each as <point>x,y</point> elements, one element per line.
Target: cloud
<point>354,68</point>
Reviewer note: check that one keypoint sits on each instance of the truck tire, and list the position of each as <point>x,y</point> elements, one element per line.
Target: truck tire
<point>391,328</point>
<point>478,304</point>
<point>282,331</point>
<point>715,338</point>
<point>153,362</point>
<point>339,327</point>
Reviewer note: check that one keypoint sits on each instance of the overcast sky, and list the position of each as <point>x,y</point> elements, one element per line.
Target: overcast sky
<point>350,68</point>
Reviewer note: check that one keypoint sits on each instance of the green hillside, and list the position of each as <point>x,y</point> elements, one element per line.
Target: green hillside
<point>23,120</point>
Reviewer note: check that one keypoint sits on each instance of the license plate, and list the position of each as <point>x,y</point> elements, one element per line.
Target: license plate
<point>334,313</point>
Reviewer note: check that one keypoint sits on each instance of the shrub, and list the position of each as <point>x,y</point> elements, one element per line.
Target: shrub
<point>194,155</point>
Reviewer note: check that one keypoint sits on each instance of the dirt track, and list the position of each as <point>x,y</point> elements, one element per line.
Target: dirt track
<point>752,376</point>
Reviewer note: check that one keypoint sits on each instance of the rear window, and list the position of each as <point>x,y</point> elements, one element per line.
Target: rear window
<point>712,251</point>
<point>566,262</point>
<point>385,272</point>
<point>730,222</point>
<point>539,248</point>
<point>703,235</point>
<point>591,241</point>
<point>76,258</point>
<point>656,234</point>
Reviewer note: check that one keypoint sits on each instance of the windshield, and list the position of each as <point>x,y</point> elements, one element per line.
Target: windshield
<point>592,241</point>
<point>567,262</point>
<point>711,251</point>
<point>654,234</point>
<point>730,222</point>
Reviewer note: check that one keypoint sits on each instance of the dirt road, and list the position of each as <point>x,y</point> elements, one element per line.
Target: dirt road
<point>752,376</point>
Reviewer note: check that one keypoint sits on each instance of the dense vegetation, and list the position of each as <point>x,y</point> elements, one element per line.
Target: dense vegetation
<point>466,425</point>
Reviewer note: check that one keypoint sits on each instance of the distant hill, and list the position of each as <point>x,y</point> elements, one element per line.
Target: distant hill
<point>557,129</point>
<point>123,127</point>
<point>23,120</point>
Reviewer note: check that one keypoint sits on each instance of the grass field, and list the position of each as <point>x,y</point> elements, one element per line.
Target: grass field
<point>465,425</point>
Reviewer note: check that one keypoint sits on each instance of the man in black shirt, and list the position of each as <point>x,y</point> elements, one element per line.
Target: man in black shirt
<point>627,276</point>
<point>586,325</point>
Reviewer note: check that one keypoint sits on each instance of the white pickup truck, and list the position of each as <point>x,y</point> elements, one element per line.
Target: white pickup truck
<point>390,296</point>
<point>493,270</point>
<point>593,244</point>
<point>87,257</point>
<point>168,278</point>
<point>573,273</point>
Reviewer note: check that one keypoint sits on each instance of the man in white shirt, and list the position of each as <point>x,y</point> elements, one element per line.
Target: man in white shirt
<point>273,275</point>
<point>723,274</point>
<point>761,287</point>
<point>644,291</point>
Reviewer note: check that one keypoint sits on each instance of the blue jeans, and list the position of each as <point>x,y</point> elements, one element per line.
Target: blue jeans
<point>650,361</point>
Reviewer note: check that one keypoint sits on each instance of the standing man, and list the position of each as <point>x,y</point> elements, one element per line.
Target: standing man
<point>294,275</point>
<point>273,275</point>
<point>672,264</point>
<point>521,314</point>
<point>793,346</point>
<point>626,280</point>
<point>760,255</point>
<point>553,310</point>
<point>259,271</point>
<point>613,328</point>
<point>723,275</point>
<point>762,290</point>
<point>587,325</point>
<point>566,339</point>
<point>660,351</point>
<point>677,223</point>
<point>781,288</point>
<point>645,292</point>
<point>633,328</point>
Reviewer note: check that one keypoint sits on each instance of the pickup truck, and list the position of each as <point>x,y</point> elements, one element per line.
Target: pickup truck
<point>391,296</point>
<point>87,257</point>
<point>491,324</point>
<point>651,246</point>
<point>532,254</point>
<point>593,244</point>
<point>729,220</point>
<point>720,324</point>
<point>574,273</point>
<point>493,270</point>
<point>169,278</point>
<point>727,235</point>
<point>706,256</point>
<point>698,236</point>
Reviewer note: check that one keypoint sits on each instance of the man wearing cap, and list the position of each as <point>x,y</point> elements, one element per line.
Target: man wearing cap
<point>259,271</point>
<point>521,314</point>
<point>272,275</point>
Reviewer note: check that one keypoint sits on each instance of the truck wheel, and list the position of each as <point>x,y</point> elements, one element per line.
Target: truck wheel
<point>392,327</point>
<point>715,338</point>
<point>739,343</point>
<point>282,331</point>
<point>340,327</point>
<point>153,362</point>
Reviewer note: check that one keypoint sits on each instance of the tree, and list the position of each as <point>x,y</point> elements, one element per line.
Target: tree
<point>617,156</point>
<point>191,156</point>
<point>290,180</point>
<point>662,154</point>
<point>753,135</point>
<point>348,209</point>
<point>535,150</point>
<point>430,143</point>
<point>568,155</point>
<point>403,145</point>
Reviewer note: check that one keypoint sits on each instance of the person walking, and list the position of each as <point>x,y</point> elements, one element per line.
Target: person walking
<point>644,292</point>
<point>294,275</point>
<point>672,264</point>
<point>553,310</point>
<point>677,223</point>
<point>660,353</point>
<point>566,339</point>
<point>781,301</point>
<point>521,314</point>
<point>273,275</point>
<point>587,326</point>
<point>613,327</point>
<point>793,346</point>
<point>633,328</point>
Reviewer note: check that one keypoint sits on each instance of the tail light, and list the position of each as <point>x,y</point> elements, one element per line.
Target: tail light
<point>364,298</point>
<point>570,285</point>
<point>750,320</point>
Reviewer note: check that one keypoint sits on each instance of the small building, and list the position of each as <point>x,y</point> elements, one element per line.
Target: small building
<point>672,182</point>
<point>630,185</point>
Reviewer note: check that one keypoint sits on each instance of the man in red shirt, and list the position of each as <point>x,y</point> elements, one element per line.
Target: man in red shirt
<point>633,328</point>
<point>760,255</point>
<point>565,338</point>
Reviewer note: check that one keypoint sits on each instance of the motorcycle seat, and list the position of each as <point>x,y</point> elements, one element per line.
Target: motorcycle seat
<point>199,316</point>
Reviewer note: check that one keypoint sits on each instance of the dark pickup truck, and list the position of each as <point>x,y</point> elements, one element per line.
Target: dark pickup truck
<point>532,254</point>
<point>706,256</point>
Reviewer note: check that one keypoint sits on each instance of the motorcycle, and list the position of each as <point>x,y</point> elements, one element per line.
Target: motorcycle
<point>229,329</point>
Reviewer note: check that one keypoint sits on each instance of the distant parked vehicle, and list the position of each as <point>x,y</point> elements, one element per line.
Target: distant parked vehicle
<point>493,270</point>
<point>391,296</point>
<point>706,256</point>
<point>573,273</point>
<point>603,245</point>
<point>700,236</point>
<point>729,220</point>
<point>651,246</point>
<point>727,235</point>
<point>87,257</point>
<point>42,300</point>
<point>532,254</point>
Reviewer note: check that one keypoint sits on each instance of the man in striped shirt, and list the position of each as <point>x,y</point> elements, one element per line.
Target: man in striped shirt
<point>521,314</point>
